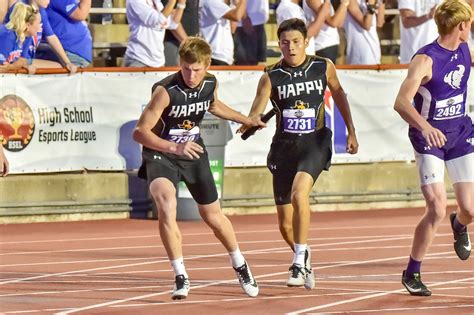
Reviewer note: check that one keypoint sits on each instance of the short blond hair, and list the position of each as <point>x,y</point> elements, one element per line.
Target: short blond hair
<point>195,49</point>
<point>450,13</point>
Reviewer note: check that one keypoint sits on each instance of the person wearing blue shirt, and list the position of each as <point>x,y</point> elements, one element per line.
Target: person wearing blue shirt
<point>47,34</point>
<point>25,21</point>
<point>67,19</point>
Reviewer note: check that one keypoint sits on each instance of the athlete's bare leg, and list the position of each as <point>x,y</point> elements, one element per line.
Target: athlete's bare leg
<point>285,223</point>
<point>302,185</point>
<point>164,194</point>
<point>465,198</point>
<point>220,224</point>
<point>435,196</point>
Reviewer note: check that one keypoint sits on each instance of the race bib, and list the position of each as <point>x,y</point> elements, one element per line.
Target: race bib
<point>182,135</point>
<point>299,120</point>
<point>449,108</point>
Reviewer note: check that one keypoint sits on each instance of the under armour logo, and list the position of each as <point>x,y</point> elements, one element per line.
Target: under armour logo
<point>454,77</point>
<point>454,57</point>
<point>470,140</point>
<point>193,94</point>
<point>427,148</point>
<point>298,74</point>
<point>273,167</point>
<point>156,157</point>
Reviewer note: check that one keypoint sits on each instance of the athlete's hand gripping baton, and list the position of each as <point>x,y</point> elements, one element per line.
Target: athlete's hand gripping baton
<point>265,118</point>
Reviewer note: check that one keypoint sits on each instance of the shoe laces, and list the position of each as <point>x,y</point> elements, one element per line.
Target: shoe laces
<point>295,270</point>
<point>415,281</point>
<point>243,273</point>
<point>180,281</point>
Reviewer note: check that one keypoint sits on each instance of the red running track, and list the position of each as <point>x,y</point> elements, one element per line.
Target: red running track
<point>120,267</point>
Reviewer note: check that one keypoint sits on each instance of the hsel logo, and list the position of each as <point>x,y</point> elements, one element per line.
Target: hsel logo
<point>335,122</point>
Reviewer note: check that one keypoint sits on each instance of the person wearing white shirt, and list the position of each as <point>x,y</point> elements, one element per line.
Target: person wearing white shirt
<point>326,44</point>
<point>289,9</point>
<point>214,23</point>
<point>250,39</point>
<point>148,20</point>
<point>417,27</point>
<point>363,44</point>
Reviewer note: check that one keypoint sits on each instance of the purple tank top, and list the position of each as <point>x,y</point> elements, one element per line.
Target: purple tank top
<point>442,100</point>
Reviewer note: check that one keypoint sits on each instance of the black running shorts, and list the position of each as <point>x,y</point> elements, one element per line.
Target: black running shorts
<point>310,153</point>
<point>195,173</point>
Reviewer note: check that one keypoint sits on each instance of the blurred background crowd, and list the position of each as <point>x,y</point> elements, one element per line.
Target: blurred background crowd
<point>146,33</point>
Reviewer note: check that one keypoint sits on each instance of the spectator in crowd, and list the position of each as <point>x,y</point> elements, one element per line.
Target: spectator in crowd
<point>326,44</point>
<point>214,21</point>
<point>289,9</point>
<point>189,27</point>
<point>148,21</point>
<point>46,33</point>
<point>15,51</point>
<point>363,44</point>
<point>67,19</point>
<point>250,39</point>
<point>3,163</point>
<point>417,27</point>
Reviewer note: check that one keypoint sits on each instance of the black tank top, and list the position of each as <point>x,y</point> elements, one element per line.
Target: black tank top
<point>180,121</point>
<point>298,97</point>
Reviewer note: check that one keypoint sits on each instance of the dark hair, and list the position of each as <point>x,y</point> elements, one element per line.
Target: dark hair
<point>293,25</point>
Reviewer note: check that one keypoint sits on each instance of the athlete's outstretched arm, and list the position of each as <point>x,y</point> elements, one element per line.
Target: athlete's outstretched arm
<point>221,110</point>
<point>260,101</point>
<point>342,104</point>
<point>151,115</point>
<point>419,72</point>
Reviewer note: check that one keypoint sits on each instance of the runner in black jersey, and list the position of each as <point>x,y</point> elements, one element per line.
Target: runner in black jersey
<point>301,146</point>
<point>173,150</point>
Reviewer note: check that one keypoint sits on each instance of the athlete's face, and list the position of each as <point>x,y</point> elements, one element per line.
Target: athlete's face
<point>33,28</point>
<point>293,45</point>
<point>193,73</point>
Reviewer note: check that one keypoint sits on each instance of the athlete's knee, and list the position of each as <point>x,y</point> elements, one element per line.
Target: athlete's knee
<point>299,199</point>
<point>436,208</point>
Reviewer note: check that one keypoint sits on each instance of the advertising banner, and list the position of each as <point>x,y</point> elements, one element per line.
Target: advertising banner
<point>57,123</point>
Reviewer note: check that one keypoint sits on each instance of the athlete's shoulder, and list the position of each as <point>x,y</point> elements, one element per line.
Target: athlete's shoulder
<point>168,81</point>
<point>210,77</point>
<point>273,67</point>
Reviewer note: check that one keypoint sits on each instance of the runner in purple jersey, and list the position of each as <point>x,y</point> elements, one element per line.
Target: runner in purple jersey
<point>441,133</point>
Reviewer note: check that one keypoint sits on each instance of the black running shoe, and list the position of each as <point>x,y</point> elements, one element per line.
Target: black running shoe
<point>181,288</point>
<point>414,285</point>
<point>462,243</point>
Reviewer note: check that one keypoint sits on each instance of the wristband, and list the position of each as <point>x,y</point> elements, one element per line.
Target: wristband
<point>180,6</point>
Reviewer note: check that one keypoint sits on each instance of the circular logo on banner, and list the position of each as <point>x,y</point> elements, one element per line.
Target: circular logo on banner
<point>17,123</point>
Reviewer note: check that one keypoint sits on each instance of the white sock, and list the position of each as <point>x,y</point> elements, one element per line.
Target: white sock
<point>298,257</point>
<point>236,258</point>
<point>178,267</point>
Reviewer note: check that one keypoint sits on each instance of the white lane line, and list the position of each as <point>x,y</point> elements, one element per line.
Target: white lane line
<point>315,246</point>
<point>367,297</point>
<point>316,239</point>
<point>400,309</point>
<point>118,237</point>
<point>115,267</point>
<point>257,277</point>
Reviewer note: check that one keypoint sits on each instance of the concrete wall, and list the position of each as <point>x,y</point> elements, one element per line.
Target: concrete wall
<point>44,197</point>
